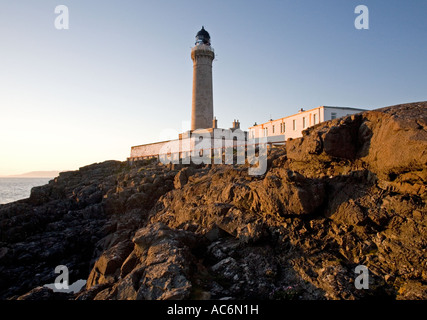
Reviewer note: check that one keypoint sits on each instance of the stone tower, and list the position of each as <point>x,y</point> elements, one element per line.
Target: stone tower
<point>202,55</point>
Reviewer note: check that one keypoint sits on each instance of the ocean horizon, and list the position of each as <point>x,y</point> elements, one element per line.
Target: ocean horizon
<point>18,188</point>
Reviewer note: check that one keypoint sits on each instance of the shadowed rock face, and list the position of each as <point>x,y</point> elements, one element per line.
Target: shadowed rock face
<point>351,191</point>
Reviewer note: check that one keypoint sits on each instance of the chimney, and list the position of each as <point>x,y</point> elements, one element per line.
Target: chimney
<point>236,124</point>
<point>214,123</point>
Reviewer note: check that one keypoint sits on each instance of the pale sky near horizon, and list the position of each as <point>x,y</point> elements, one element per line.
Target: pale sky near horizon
<point>122,74</point>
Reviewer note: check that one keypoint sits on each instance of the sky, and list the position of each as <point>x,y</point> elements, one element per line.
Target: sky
<point>121,75</point>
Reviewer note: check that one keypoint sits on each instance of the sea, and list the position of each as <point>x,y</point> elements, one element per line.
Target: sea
<point>13,189</point>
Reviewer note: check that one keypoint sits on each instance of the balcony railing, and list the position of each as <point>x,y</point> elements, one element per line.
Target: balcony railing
<point>202,47</point>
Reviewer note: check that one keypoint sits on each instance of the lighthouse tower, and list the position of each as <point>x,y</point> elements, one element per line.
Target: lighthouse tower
<point>202,55</point>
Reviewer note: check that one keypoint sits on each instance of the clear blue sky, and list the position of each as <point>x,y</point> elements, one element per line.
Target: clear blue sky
<point>122,74</point>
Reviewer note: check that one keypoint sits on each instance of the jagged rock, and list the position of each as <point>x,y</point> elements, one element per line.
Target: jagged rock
<point>398,133</point>
<point>71,221</point>
<point>351,191</point>
<point>287,192</point>
<point>412,290</point>
<point>182,177</point>
<point>91,293</point>
<point>158,267</point>
<point>137,200</point>
<point>108,265</point>
<point>44,293</point>
<point>167,261</point>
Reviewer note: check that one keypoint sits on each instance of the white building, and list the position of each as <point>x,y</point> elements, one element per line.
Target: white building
<point>279,130</point>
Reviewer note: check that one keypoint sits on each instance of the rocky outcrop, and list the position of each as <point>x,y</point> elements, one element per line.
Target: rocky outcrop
<point>351,191</point>
<point>388,142</point>
<point>158,267</point>
<point>44,293</point>
<point>72,220</point>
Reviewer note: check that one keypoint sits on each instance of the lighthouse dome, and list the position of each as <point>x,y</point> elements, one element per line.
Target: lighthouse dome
<point>203,37</point>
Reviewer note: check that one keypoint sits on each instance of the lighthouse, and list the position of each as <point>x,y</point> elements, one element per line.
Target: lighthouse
<point>202,55</point>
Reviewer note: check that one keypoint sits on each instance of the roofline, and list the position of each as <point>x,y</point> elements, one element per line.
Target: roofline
<point>346,108</point>
<point>149,144</point>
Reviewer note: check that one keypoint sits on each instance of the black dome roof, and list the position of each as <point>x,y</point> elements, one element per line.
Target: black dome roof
<point>203,33</point>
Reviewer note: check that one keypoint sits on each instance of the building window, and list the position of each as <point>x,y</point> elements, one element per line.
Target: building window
<point>273,129</point>
<point>333,115</point>
<point>284,127</point>
<point>303,122</point>
<point>294,126</point>
<point>265,132</point>
<point>314,118</point>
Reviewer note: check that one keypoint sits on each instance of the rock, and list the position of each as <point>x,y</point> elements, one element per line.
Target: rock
<point>127,289</point>
<point>389,278</point>
<point>400,128</point>
<point>158,267</point>
<point>40,195</point>
<point>372,136</point>
<point>167,261</point>
<point>90,294</point>
<point>137,200</point>
<point>129,264</point>
<point>412,290</point>
<point>3,252</point>
<point>44,293</point>
<point>146,237</point>
<point>349,213</point>
<point>351,191</point>
<point>164,282</point>
<point>287,195</point>
<point>108,265</point>
<point>182,177</point>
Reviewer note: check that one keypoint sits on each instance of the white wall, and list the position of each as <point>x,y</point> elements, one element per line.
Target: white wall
<point>322,114</point>
<point>288,122</point>
<point>215,139</point>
